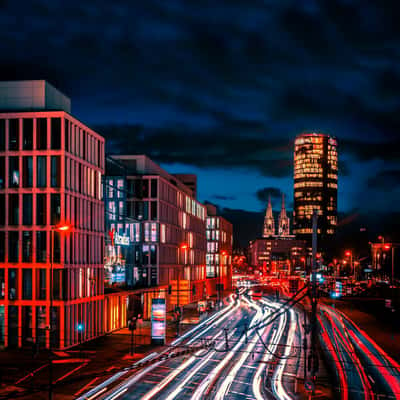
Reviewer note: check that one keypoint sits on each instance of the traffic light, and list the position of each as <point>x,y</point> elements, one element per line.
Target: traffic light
<point>193,290</point>
<point>169,289</point>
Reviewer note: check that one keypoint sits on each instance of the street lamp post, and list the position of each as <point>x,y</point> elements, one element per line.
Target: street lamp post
<point>349,253</point>
<point>58,228</point>
<point>184,247</point>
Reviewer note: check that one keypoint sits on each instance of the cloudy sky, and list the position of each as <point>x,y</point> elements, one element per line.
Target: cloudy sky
<point>221,88</point>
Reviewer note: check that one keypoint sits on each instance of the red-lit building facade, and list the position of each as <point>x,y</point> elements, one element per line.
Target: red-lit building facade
<point>164,229</point>
<point>50,173</point>
<point>219,235</point>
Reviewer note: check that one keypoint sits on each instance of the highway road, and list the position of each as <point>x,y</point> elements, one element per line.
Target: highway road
<point>363,369</point>
<point>243,363</point>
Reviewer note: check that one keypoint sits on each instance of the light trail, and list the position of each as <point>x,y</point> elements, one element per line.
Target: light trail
<point>226,384</point>
<point>257,381</point>
<point>332,351</point>
<point>169,378</point>
<point>277,386</point>
<point>348,348</point>
<point>212,376</point>
<point>197,368</point>
<point>94,392</point>
<point>384,365</point>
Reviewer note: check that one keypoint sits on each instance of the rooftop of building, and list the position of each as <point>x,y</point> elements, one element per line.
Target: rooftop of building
<point>33,95</point>
<point>140,164</point>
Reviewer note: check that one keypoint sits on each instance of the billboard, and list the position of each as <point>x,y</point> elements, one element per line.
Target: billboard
<point>158,321</point>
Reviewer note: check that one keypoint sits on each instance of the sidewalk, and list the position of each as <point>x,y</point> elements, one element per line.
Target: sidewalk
<point>81,368</point>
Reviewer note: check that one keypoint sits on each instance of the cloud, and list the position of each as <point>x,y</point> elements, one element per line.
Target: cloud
<point>263,194</point>
<point>224,84</point>
<point>222,197</point>
<point>385,180</point>
<point>269,157</point>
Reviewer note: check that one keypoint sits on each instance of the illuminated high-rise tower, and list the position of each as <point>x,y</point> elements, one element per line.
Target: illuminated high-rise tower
<point>283,221</point>
<point>269,222</point>
<point>315,183</point>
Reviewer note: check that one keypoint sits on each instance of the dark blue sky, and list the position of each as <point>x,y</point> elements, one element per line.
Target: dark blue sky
<point>221,88</point>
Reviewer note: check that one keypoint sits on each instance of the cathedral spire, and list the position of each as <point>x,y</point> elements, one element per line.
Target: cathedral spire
<point>284,222</point>
<point>269,222</point>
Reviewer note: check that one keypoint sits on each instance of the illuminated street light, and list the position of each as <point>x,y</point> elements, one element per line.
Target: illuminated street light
<point>62,228</point>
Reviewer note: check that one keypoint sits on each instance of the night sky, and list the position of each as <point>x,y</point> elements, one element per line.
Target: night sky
<point>221,88</point>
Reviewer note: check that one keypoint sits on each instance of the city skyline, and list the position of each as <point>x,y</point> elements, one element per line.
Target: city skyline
<point>176,83</point>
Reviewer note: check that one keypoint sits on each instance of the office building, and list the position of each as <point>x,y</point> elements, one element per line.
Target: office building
<point>50,176</point>
<point>219,252</point>
<point>315,184</point>
<point>162,227</point>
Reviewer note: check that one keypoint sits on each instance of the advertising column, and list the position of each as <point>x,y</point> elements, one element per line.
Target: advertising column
<point>158,321</point>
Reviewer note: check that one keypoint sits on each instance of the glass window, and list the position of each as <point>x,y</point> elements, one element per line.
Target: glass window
<point>41,133</point>
<point>56,133</point>
<point>13,244</point>
<point>2,172</point>
<point>41,325</point>
<point>26,246</point>
<point>27,133</point>
<point>55,171</point>
<point>55,208</point>
<point>154,236</point>
<point>2,286</point>
<point>41,171</point>
<point>2,134</point>
<point>41,246</point>
<point>120,187</point>
<point>56,284</point>
<point>27,209</point>
<point>27,172</point>
<point>13,209</point>
<point>154,188</point>
<point>27,284</point>
<point>41,284</point>
<point>66,134</point>
<point>153,254</point>
<point>111,210</point>
<point>57,248</point>
<point>13,134</point>
<point>110,188</point>
<point>153,210</point>
<point>145,188</point>
<point>12,284</point>
<point>120,210</point>
<point>13,172</point>
<point>27,325</point>
<point>2,209</point>
<point>2,246</point>
<point>41,207</point>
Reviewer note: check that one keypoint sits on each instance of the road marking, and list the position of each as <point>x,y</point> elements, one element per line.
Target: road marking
<point>87,386</point>
<point>70,373</point>
<point>31,374</point>
<point>249,367</point>
<point>240,394</point>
